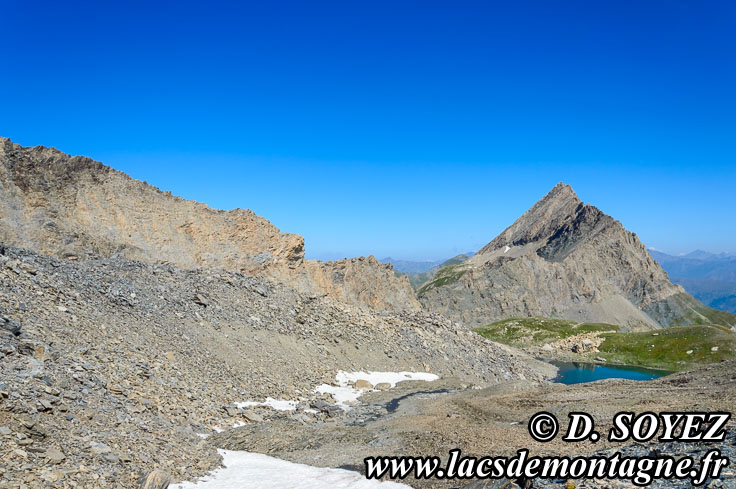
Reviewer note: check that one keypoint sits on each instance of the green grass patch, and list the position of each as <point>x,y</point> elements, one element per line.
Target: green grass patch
<point>536,331</point>
<point>417,280</point>
<point>665,349</point>
<point>668,348</point>
<point>444,276</point>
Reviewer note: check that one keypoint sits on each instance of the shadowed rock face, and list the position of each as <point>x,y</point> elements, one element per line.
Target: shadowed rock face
<point>566,259</point>
<point>77,208</point>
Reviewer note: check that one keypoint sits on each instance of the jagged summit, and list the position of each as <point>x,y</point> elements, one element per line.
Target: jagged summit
<point>543,219</point>
<point>564,258</point>
<point>554,226</point>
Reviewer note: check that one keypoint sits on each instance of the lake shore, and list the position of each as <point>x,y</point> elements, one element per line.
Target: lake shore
<point>580,372</point>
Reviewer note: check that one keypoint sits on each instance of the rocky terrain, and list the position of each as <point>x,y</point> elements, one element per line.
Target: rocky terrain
<point>110,367</point>
<point>76,208</point>
<point>492,421</point>
<point>566,259</point>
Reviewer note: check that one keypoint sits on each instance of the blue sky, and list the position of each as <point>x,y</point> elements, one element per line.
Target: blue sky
<point>410,129</point>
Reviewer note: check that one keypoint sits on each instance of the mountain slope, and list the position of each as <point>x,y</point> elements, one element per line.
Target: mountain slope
<point>77,208</point>
<point>122,366</point>
<point>418,279</point>
<point>563,258</point>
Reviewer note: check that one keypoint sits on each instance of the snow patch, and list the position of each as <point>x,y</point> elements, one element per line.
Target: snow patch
<point>277,404</point>
<point>506,249</point>
<point>244,470</point>
<point>393,378</point>
<point>345,394</point>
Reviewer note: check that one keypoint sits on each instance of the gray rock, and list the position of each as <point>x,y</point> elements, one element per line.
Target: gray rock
<point>54,455</point>
<point>231,410</point>
<point>10,325</point>
<point>111,457</point>
<point>98,448</point>
<point>330,409</point>
<point>252,417</point>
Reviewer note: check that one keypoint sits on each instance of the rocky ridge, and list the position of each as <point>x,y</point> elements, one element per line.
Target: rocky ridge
<point>76,208</point>
<point>563,258</point>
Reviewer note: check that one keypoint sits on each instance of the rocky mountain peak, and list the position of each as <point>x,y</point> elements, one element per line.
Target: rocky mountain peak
<point>564,258</point>
<point>559,206</point>
<point>559,191</point>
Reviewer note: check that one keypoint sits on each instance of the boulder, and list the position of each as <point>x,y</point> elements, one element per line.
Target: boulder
<point>331,410</point>
<point>362,384</point>
<point>155,479</point>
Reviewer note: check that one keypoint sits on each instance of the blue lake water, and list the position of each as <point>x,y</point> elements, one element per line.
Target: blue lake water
<point>576,373</point>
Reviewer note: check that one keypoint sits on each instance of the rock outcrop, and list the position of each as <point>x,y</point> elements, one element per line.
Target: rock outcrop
<point>76,208</point>
<point>563,258</point>
<point>363,281</point>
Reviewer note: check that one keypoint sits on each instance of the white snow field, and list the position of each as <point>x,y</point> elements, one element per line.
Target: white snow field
<point>277,404</point>
<point>345,394</point>
<point>245,470</point>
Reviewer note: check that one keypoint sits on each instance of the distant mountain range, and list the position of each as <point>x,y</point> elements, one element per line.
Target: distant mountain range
<point>710,277</point>
<point>410,266</point>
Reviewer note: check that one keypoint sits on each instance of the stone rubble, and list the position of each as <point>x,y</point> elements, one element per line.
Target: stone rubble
<point>112,368</point>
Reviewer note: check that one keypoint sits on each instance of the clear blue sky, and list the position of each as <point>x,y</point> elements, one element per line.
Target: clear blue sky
<point>410,129</point>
